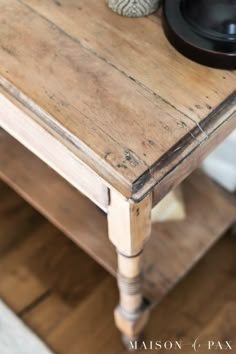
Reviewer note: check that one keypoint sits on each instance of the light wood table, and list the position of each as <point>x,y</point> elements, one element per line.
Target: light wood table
<point>97,103</point>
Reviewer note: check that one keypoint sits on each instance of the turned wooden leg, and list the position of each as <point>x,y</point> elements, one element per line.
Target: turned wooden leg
<point>129,228</point>
<point>132,313</point>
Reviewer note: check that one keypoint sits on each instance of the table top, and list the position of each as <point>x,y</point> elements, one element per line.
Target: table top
<point>131,106</point>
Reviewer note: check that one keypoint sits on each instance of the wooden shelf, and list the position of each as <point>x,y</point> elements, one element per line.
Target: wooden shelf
<point>174,247</point>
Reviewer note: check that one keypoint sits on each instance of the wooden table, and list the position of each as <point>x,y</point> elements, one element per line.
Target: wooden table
<point>105,106</point>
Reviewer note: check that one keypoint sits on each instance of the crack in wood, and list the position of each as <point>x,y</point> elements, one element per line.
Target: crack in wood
<point>226,106</point>
<point>108,62</point>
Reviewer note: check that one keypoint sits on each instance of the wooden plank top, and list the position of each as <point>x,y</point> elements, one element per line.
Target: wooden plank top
<point>112,89</point>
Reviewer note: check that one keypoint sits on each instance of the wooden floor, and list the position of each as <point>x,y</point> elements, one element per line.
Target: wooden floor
<point>67,299</point>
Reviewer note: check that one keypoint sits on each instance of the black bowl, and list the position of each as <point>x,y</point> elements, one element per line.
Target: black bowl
<point>203,30</point>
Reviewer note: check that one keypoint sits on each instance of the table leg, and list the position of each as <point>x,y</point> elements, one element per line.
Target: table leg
<point>129,226</point>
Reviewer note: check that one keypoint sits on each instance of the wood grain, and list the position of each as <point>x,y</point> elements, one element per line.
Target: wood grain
<point>22,124</point>
<point>21,269</point>
<point>44,188</point>
<point>118,112</point>
<point>71,321</point>
<point>129,224</point>
<point>140,50</point>
<point>129,229</point>
<point>222,122</point>
<point>209,214</point>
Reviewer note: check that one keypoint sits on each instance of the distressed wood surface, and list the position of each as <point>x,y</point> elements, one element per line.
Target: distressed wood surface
<point>112,90</point>
<point>173,249</point>
<point>23,125</point>
<point>129,229</point>
<point>64,313</point>
<point>43,188</point>
<point>129,224</point>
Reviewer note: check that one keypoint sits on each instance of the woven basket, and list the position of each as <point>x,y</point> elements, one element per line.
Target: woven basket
<point>134,8</point>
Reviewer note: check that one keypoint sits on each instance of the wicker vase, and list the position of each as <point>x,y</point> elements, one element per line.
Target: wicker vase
<point>134,8</point>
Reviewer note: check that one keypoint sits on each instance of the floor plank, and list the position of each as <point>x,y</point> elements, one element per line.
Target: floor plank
<point>68,299</point>
<point>176,245</point>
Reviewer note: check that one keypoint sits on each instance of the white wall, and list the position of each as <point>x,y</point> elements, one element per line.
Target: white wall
<point>221,164</point>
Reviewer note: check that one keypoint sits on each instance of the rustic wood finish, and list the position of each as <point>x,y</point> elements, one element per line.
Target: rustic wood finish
<point>181,242</point>
<point>116,106</point>
<point>105,102</point>
<point>60,303</point>
<point>129,224</point>
<point>22,124</point>
<point>129,228</point>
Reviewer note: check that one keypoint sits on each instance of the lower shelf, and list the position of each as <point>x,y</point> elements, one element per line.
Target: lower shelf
<point>174,247</point>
